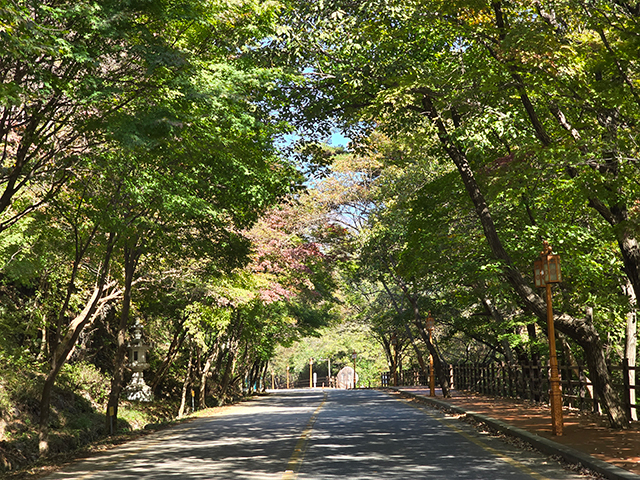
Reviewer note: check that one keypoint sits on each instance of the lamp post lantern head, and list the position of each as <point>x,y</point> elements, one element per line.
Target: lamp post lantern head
<point>538,273</point>
<point>552,272</point>
<point>547,268</point>
<point>430,322</point>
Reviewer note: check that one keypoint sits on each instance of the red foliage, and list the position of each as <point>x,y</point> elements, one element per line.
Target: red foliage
<point>281,251</point>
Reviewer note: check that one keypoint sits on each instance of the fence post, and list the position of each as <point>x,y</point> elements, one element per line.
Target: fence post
<point>451,377</point>
<point>545,386</point>
<point>520,386</point>
<point>626,386</point>
<point>493,390</point>
<point>512,382</point>
<point>569,385</point>
<point>467,380</point>
<point>485,379</point>
<point>472,377</point>
<point>582,391</point>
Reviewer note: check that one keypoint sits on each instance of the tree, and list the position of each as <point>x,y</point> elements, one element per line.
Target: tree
<point>448,71</point>
<point>125,95</point>
<point>69,68</point>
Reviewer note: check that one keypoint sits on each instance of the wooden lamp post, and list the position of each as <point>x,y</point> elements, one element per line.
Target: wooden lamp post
<point>547,271</point>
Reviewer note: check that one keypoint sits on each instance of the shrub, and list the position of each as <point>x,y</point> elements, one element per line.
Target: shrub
<point>86,379</point>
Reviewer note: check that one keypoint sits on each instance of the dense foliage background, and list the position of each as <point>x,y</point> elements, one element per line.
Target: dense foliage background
<point>166,162</point>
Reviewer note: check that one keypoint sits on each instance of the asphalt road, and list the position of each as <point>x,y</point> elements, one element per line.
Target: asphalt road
<point>319,434</point>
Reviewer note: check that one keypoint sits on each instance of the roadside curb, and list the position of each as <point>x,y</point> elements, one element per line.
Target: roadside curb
<point>542,444</point>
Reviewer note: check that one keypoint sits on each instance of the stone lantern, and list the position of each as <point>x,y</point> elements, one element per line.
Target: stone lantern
<point>137,390</point>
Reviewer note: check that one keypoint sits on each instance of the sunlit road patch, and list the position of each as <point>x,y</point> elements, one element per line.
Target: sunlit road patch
<point>319,434</point>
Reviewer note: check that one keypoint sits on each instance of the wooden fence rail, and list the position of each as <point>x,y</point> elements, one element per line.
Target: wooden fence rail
<point>531,382</point>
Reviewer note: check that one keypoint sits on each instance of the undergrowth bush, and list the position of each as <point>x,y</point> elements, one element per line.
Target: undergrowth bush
<point>77,410</point>
<point>20,386</point>
<point>86,378</point>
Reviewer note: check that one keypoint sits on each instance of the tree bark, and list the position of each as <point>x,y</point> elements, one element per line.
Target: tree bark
<point>131,256</point>
<point>391,352</point>
<point>178,338</point>
<point>440,368</point>
<point>67,343</point>
<point>631,344</point>
<point>423,366</point>
<point>234,345</point>
<point>265,372</point>
<point>202,397</point>
<point>185,384</point>
<point>441,373</point>
<point>582,331</point>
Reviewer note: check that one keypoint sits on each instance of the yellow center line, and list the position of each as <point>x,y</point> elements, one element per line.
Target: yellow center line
<point>511,461</point>
<point>293,467</point>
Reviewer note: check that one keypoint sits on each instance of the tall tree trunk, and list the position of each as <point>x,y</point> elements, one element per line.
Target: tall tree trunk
<point>631,344</point>
<point>614,209</point>
<point>499,319</point>
<point>185,384</point>
<point>438,366</point>
<point>66,345</point>
<point>396,362</point>
<point>178,338</point>
<point>131,257</point>
<point>580,330</point>
<point>80,250</point>
<point>227,374</point>
<point>202,397</point>
<point>408,331</point>
<point>263,377</point>
<point>254,375</point>
<point>234,345</point>
<point>59,358</point>
<point>389,353</point>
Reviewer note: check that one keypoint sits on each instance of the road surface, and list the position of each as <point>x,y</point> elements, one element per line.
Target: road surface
<point>319,434</point>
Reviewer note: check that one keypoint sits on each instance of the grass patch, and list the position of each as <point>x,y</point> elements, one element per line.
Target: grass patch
<point>77,415</point>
